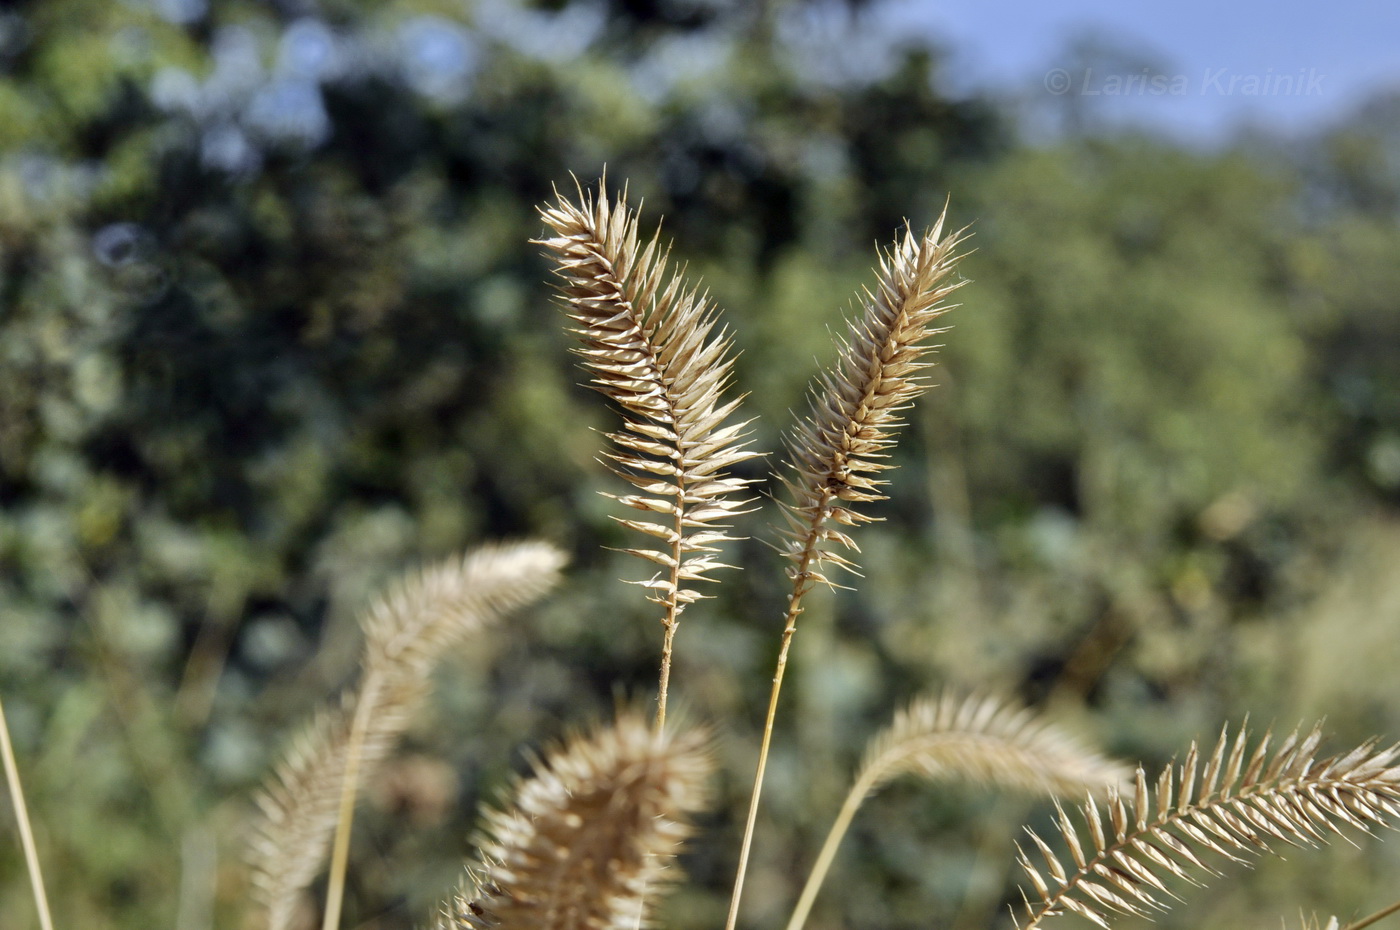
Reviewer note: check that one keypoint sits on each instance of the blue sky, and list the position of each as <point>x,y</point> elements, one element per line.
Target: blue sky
<point>1293,64</point>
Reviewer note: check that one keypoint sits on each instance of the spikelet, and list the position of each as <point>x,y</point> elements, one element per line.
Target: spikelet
<point>589,840</point>
<point>978,739</point>
<point>837,451</point>
<point>1237,804</point>
<point>988,741</point>
<point>650,344</point>
<point>408,629</point>
<point>406,632</point>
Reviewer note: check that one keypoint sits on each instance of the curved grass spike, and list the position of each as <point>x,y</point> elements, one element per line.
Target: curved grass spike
<point>981,740</point>
<point>650,343</point>
<point>591,837</point>
<point>839,448</point>
<point>1237,805</point>
<point>309,799</point>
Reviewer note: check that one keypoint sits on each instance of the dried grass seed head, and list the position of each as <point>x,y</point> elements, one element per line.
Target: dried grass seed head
<point>651,344</point>
<point>1238,804</point>
<point>838,450</point>
<point>590,838</point>
<point>988,741</point>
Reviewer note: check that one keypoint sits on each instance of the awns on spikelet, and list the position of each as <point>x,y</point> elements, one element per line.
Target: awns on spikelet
<point>837,451</point>
<point>1238,804</point>
<point>590,838</point>
<point>988,741</point>
<point>650,343</point>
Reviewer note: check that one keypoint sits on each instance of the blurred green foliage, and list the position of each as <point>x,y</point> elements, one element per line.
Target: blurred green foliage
<point>271,331</point>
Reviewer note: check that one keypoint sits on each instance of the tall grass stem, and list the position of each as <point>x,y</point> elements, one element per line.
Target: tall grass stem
<point>26,834</point>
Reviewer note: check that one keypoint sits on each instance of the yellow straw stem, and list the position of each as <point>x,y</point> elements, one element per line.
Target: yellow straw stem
<point>26,835</point>
<point>340,852</point>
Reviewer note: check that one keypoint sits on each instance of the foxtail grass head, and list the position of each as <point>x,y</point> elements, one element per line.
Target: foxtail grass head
<point>839,449</point>
<point>589,840</point>
<point>651,344</point>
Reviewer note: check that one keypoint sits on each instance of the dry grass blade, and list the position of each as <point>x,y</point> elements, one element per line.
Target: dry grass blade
<point>839,449</point>
<point>651,345</point>
<point>1239,804</point>
<point>407,630</point>
<point>982,740</point>
<point>592,834</point>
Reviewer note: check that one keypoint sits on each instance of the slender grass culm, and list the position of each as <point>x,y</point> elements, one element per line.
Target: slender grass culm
<point>26,832</point>
<point>593,838</point>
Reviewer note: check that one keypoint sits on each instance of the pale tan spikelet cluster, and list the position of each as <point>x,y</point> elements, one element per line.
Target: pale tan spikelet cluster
<point>407,631</point>
<point>1239,803</point>
<point>987,741</point>
<point>979,739</point>
<point>651,345</point>
<point>424,615</point>
<point>590,838</point>
<point>838,450</point>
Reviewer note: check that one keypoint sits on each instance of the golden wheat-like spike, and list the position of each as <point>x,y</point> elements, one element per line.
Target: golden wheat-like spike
<point>837,451</point>
<point>651,345</point>
<point>590,838</point>
<point>979,739</point>
<point>407,631</point>
<point>1232,808</point>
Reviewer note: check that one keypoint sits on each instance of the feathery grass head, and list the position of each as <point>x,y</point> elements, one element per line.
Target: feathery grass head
<point>982,740</point>
<point>407,631</point>
<point>424,615</point>
<point>838,450</point>
<point>591,835</point>
<point>986,741</point>
<point>1237,804</point>
<point>650,343</point>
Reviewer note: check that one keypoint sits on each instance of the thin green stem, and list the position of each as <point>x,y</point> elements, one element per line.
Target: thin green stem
<point>26,834</point>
